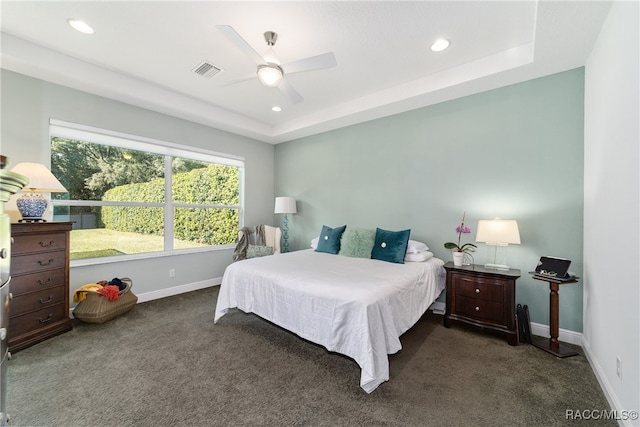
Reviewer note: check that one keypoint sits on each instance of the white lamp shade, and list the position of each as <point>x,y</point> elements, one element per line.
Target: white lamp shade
<point>498,231</point>
<point>40,178</point>
<point>285,205</point>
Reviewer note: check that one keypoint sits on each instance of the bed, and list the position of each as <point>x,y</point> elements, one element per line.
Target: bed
<point>354,306</point>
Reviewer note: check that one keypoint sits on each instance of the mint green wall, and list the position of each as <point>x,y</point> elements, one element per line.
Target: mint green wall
<point>514,152</point>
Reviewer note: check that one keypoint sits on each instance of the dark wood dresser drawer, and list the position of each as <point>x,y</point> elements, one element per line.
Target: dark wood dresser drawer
<point>39,243</point>
<point>37,281</point>
<point>35,320</point>
<point>22,264</point>
<point>33,301</point>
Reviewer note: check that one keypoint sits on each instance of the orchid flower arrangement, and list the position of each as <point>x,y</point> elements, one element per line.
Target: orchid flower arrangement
<point>467,247</point>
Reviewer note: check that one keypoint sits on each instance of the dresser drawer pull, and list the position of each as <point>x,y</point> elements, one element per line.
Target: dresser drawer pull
<point>40,282</point>
<point>43,263</point>
<point>477,308</point>
<point>47,301</point>
<point>477,291</point>
<point>46,245</point>
<point>49,317</point>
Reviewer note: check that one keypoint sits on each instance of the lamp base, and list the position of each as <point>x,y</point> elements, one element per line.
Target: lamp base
<point>32,205</point>
<point>496,267</point>
<point>32,220</point>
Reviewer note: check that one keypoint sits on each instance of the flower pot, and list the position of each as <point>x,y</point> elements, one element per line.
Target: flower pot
<point>458,258</point>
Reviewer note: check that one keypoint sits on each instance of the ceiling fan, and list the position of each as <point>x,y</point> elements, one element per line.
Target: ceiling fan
<point>270,72</point>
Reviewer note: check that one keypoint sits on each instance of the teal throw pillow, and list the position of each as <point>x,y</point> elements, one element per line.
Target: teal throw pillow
<point>330,239</point>
<point>390,245</point>
<point>254,251</point>
<point>357,242</point>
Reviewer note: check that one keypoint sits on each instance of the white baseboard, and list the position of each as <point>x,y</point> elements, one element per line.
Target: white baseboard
<point>605,385</point>
<point>564,335</point>
<point>176,290</point>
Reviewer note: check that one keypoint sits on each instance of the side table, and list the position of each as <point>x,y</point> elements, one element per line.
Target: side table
<point>552,345</point>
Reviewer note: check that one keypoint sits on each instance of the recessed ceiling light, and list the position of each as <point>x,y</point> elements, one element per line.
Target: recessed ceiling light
<point>440,45</point>
<point>276,109</point>
<point>81,26</point>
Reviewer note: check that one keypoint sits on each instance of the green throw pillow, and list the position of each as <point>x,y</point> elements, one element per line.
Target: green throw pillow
<point>357,242</point>
<point>254,251</point>
<point>329,241</point>
<point>390,245</point>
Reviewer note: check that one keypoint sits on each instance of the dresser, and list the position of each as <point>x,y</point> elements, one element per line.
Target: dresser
<point>39,282</point>
<point>482,298</point>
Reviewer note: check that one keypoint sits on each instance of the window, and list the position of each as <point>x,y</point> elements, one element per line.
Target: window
<point>129,195</point>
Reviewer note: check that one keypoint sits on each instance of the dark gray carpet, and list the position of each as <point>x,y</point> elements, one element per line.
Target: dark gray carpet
<point>166,363</point>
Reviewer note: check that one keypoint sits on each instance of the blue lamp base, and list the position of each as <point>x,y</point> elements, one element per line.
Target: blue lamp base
<point>285,234</point>
<point>32,206</point>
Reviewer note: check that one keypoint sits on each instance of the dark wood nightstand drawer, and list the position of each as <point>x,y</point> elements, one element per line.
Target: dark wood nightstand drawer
<point>478,288</point>
<point>37,300</point>
<point>31,322</point>
<point>39,243</point>
<point>38,262</point>
<point>479,309</point>
<point>37,281</point>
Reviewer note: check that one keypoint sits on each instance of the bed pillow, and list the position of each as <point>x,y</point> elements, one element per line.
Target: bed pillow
<point>419,257</point>
<point>390,246</point>
<point>314,242</point>
<point>415,247</point>
<point>330,239</point>
<point>254,251</point>
<point>357,242</point>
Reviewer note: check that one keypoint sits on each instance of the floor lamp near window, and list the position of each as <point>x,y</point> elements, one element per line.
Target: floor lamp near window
<point>286,206</point>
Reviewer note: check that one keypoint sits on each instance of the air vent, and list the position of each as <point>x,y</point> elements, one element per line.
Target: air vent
<point>206,69</point>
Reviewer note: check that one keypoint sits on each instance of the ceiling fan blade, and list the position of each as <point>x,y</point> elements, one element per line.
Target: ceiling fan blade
<point>288,90</point>
<point>326,60</point>
<point>241,43</point>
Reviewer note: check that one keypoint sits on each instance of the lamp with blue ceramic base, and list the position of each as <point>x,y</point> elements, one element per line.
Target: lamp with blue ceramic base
<point>285,205</point>
<point>32,205</point>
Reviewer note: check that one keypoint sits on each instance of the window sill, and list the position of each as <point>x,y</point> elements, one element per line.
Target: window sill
<point>148,255</point>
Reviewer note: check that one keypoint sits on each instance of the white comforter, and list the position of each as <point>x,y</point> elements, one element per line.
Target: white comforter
<point>354,306</point>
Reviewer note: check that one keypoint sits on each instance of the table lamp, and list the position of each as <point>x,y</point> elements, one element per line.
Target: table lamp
<point>32,205</point>
<point>498,233</point>
<point>285,205</point>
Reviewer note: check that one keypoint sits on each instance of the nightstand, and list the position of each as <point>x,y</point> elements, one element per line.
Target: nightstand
<point>483,298</point>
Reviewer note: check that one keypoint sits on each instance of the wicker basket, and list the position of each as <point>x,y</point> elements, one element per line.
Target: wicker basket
<point>96,308</point>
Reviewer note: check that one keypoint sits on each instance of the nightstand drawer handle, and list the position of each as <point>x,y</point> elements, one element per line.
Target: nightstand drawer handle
<point>46,245</point>
<point>48,300</point>
<point>43,263</point>
<point>40,282</point>
<point>477,308</point>
<point>49,317</point>
<point>477,291</point>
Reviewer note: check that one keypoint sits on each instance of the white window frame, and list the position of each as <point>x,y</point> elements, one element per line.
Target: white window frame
<point>63,129</point>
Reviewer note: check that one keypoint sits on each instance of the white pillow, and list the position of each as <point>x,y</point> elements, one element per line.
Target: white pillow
<point>419,257</point>
<point>415,247</point>
<point>314,243</point>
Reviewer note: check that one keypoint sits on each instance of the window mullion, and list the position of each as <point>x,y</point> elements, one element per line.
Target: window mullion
<point>168,204</point>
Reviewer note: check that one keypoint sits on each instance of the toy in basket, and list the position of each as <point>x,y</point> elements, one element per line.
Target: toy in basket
<point>102,301</point>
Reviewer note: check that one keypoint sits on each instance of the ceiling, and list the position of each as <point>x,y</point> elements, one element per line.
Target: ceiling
<point>143,53</point>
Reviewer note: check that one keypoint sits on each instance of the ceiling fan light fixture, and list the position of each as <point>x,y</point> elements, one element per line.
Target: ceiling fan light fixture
<point>440,45</point>
<point>270,74</point>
